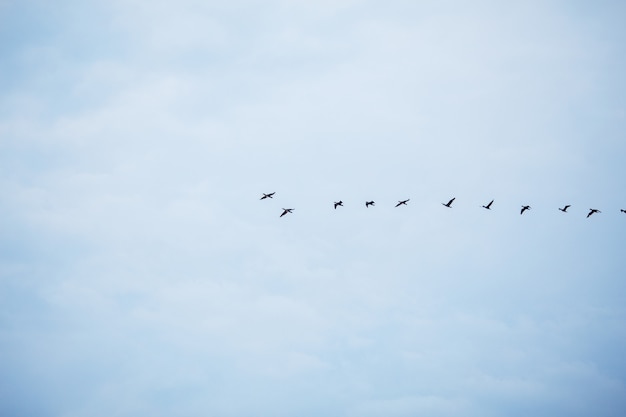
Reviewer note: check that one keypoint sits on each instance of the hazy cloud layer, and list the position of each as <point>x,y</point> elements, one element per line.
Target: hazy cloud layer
<point>140,275</point>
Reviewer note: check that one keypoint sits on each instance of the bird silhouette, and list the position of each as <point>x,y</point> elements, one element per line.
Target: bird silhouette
<point>369,203</point>
<point>564,209</point>
<point>622,210</point>
<point>270,195</point>
<point>285,211</point>
<point>449,203</point>
<point>592,211</point>
<point>488,206</point>
<point>402,202</point>
<point>524,208</point>
<point>338,203</point>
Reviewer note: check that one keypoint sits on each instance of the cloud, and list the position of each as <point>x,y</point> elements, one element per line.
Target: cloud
<point>141,275</point>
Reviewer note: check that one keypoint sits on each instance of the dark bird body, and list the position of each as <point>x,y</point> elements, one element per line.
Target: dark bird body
<point>488,206</point>
<point>270,195</point>
<point>285,211</point>
<point>449,203</point>
<point>524,208</point>
<point>592,211</point>
<point>369,203</point>
<point>622,210</point>
<point>338,203</point>
<point>402,202</point>
<point>564,209</point>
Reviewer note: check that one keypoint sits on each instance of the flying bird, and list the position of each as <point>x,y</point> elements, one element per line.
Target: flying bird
<point>591,211</point>
<point>622,210</point>
<point>449,203</point>
<point>564,209</point>
<point>338,203</point>
<point>270,195</point>
<point>285,211</point>
<point>488,206</point>
<point>369,203</point>
<point>402,202</point>
<point>524,208</point>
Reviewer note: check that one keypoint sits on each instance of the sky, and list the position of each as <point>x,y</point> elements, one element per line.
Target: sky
<point>141,274</point>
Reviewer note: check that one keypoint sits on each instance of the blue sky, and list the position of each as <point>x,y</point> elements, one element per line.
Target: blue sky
<point>140,275</point>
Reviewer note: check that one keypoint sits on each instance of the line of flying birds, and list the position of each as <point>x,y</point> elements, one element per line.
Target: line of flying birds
<point>448,204</point>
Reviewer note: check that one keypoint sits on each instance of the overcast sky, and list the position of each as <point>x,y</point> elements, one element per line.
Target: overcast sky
<point>141,274</point>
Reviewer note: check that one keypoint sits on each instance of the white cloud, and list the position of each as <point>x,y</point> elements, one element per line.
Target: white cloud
<point>142,270</point>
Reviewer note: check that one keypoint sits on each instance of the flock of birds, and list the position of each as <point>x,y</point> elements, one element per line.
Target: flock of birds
<point>448,204</point>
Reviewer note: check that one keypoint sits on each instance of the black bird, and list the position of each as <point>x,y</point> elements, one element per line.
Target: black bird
<point>402,202</point>
<point>622,210</point>
<point>449,203</point>
<point>285,211</point>
<point>338,203</point>
<point>524,208</point>
<point>591,211</point>
<point>369,203</point>
<point>488,206</point>
<point>270,195</point>
<point>564,209</point>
